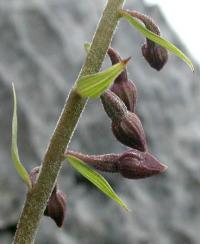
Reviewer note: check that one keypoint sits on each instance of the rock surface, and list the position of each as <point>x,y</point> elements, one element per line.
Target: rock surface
<point>41,50</point>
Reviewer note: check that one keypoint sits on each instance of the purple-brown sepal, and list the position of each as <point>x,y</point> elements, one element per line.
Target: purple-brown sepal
<point>155,55</point>
<point>134,164</point>
<point>130,132</point>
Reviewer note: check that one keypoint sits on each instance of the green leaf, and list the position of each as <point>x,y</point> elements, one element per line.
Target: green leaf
<point>94,85</point>
<point>14,149</point>
<point>155,38</point>
<point>95,178</point>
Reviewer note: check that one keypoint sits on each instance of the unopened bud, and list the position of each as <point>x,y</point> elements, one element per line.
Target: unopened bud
<point>130,132</point>
<point>126,126</point>
<point>134,164</point>
<point>56,205</point>
<point>155,55</point>
<point>124,88</point>
<point>113,105</point>
<point>127,92</point>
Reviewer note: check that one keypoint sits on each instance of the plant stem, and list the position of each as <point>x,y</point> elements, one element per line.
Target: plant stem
<point>37,198</point>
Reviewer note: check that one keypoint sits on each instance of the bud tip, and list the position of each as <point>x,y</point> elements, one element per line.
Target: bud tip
<point>125,61</point>
<point>164,167</point>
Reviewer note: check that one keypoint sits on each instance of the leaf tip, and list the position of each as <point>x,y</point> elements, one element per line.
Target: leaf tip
<point>13,90</point>
<point>125,61</point>
<point>125,207</point>
<point>189,63</point>
<point>192,67</point>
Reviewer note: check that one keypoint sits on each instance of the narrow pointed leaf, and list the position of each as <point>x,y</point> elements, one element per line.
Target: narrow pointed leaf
<point>95,178</point>
<point>157,39</point>
<point>14,149</point>
<point>94,85</point>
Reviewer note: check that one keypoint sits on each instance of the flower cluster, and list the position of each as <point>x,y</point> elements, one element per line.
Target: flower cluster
<point>119,103</point>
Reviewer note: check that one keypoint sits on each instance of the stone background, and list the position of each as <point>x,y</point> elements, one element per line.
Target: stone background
<point>41,51</point>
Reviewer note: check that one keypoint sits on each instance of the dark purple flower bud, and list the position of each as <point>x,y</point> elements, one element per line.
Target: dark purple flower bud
<point>56,205</point>
<point>124,88</point>
<point>129,131</point>
<point>127,92</point>
<point>113,105</point>
<point>134,164</point>
<point>126,126</point>
<point>155,55</point>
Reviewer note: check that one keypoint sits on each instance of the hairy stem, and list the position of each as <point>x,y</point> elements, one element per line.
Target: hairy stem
<point>37,198</point>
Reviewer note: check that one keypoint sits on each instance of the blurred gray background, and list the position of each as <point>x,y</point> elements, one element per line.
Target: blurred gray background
<point>41,51</point>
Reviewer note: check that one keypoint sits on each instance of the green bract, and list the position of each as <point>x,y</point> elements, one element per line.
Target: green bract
<point>87,46</point>
<point>94,85</point>
<point>95,178</point>
<point>157,39</point>
<point>14,149</point>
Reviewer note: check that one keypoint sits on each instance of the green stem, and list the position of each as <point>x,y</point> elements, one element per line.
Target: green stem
<point>37,198</point>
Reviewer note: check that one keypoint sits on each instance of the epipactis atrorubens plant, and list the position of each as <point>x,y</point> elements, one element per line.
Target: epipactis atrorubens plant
<point>119,100</point>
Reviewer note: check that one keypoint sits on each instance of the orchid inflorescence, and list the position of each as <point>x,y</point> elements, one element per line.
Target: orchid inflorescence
<point>119,103</point>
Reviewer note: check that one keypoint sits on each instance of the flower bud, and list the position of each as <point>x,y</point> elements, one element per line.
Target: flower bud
<point>134,164</point>
<point>127,92</point>
<point>124,88</point>
<point>129,131</point>
<point>126,126</point>
<point>113,105</point>
<point>155,55</point>
<point>56,205</point>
